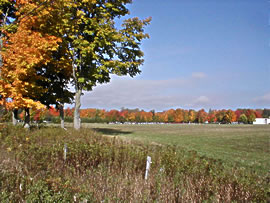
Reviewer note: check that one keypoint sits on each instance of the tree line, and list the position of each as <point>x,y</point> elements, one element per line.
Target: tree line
<point>141,116</point>
<point>48,45</point>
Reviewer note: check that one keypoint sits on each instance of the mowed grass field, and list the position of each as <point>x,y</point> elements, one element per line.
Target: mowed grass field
<point>236,145</point>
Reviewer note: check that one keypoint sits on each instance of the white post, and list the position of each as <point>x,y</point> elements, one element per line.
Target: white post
<point>148,163</point>
<point>65,152</point>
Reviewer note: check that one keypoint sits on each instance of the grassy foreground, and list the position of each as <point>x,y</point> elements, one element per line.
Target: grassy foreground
<point>99,168</point>
<point>241,145</point>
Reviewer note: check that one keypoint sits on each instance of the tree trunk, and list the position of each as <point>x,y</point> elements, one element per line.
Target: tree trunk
<point>14,116</point>
<point>27,118</point>
<point>61,110</point>
<point>77,120</point>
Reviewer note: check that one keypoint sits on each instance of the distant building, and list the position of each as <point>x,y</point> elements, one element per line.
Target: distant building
<point>262,121</point>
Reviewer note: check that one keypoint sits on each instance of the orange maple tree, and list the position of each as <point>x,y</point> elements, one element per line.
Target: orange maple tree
<point>35,69</point>
<point>23,51</point>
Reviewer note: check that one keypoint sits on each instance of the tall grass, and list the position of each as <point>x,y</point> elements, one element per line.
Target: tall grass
<point>99,168</point>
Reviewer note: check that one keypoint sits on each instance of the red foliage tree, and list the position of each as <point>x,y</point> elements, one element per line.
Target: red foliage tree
<point>112,115</point>
<point>69,112</point>
<point>258,113</point>
<point>201,116</point>
<point>212,116</point>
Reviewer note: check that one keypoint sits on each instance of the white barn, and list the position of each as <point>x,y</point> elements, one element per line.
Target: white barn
<point>262,121</point>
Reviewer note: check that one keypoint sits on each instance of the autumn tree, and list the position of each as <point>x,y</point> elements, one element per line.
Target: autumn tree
<point>220,115</point>
<point>131,116</point>
<point>113,115</point>
<point>25,50</point>
<point>212,116</point>
<point>258,113</point>
<point>160,117</point>
<point>36,67</point>
<point>250,113</point>
<point>191,115</point>
<point>7,14</point>
<point>229,116</point>
<point>170,115</point>
<point>145,116</point>
<point>93,46</point>
<point>123,116</point>
<point>69,112</point>
<point>201,116</point>
<point>238,113</point>
<point>179,116</point>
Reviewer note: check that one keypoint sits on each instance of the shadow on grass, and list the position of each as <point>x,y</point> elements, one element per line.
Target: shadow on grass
<point>110,131</point>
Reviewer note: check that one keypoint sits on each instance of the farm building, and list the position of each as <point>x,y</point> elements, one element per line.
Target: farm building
<point>262,121</point>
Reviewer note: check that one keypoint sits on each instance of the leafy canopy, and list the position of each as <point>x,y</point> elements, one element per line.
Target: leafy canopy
<point>96,47</point>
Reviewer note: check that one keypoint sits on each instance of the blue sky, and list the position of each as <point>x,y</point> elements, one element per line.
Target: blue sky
<point>201,54</point>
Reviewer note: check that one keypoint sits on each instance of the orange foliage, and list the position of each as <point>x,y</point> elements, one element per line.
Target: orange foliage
<point>88,113</point>
<point>179,116</point>
<point>69,112</point>
<point>191,116</point>
<point>175,116</point>
<point>24,50</point>
<point>53,111</point>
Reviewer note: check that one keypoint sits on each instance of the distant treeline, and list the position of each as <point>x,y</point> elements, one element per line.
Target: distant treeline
<point>141,116</point>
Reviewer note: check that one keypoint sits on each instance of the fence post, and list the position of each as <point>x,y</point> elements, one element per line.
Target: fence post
<point>148,163</point>
<point>65,152</point>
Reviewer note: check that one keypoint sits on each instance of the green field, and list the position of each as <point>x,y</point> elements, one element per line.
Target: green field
<point>242,145</point>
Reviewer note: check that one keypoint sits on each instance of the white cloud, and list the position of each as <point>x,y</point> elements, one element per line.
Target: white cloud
<point>199,102</point>
<point>145,94</point>
<point>202,100</point>
<point>198,75</point>
<point>263,100</point>
<point>129,93</point>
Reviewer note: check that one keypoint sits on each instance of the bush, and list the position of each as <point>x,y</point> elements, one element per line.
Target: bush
<point>5,115</point>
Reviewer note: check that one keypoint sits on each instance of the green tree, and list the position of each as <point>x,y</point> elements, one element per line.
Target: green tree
<point>243,118</point>
<point>96,46</point>
<point>250,113</point>
<point>266,113</point>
